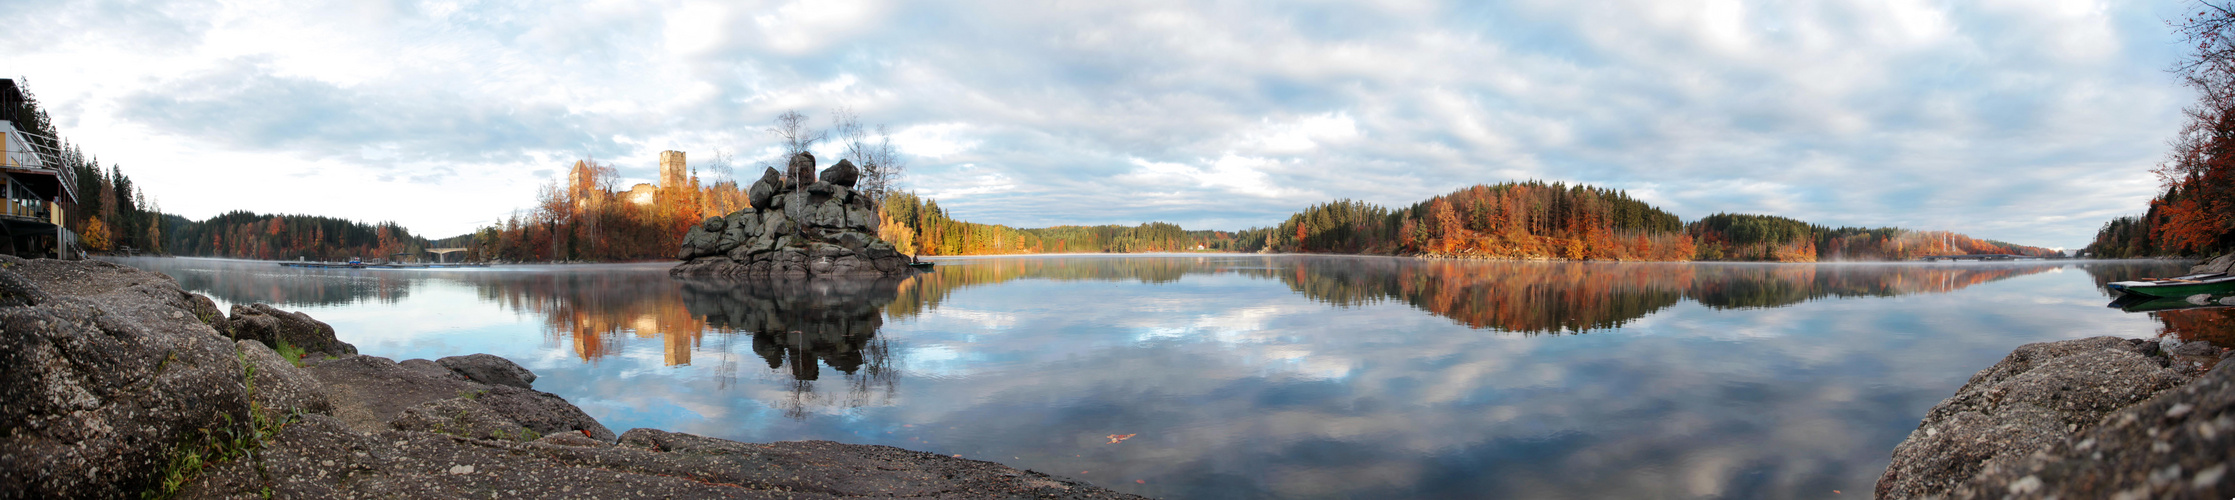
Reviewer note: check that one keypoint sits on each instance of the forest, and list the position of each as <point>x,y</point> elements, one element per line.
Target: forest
<point>1514,220</point>
<point>248,235</point>
<point>1780,239</point>
<point>583,218</point>
<point>1539,220</point>
<point>918,226</point>
<point>2194,215</point>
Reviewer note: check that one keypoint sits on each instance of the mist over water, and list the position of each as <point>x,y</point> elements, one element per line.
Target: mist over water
<point>1265,376</point>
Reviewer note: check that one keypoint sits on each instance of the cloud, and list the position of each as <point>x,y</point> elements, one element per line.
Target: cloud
<point>2019,121</point>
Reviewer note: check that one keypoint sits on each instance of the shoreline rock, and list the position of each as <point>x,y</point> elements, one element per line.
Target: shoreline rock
<point>2085,418</point>
<point>116,382</point>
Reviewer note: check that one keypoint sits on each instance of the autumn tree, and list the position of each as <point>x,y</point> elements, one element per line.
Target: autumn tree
<point>2196,213</point>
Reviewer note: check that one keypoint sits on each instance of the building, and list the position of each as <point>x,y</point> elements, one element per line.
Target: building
<point>38,188</point>
<point>673,171</point>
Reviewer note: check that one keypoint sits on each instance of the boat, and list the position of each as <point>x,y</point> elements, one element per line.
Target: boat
<point>2144,303</point>
<point>2180,286</point>
<point>920,265</point>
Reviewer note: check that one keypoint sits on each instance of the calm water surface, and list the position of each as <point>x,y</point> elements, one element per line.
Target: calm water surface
<point>1264,377</point>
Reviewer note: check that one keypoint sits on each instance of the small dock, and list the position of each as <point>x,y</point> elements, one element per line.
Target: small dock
<point>1977,257</point>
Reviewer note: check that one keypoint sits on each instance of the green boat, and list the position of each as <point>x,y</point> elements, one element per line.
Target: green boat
<point>2144,303</point>
<point>2176,287</point>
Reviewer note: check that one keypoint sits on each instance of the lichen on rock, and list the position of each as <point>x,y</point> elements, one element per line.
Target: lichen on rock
<point>2036,425</point>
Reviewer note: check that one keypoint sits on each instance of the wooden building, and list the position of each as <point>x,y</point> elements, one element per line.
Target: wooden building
<point>38,189</point>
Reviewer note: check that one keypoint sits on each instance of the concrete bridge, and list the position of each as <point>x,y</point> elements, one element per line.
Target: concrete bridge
<point>441,254</point>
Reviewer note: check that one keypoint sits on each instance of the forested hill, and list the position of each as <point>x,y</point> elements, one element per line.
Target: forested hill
<point>1539,220</point>
<point>1773,238</point>
<point>249,235</point>
<point>1512,220</point>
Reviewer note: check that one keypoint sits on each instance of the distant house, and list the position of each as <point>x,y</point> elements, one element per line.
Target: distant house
<point>38,189</point>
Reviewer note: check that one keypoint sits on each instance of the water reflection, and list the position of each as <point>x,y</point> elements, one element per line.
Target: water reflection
<point>1263,376</point>
<point>1525,297</point>
<point>243,282</point>
<point>801,326</point>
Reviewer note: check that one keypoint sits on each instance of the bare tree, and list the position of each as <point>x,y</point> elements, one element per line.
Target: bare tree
<point>791,130</point>
<point>718,169</point>
<point>871,151</point>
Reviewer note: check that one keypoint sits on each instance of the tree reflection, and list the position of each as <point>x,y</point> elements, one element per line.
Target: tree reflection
<point>1517,296</point>
<point>1574,297</point>
<point>245,282</point>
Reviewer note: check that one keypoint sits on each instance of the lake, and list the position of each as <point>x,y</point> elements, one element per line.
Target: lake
<point>1244,376</point>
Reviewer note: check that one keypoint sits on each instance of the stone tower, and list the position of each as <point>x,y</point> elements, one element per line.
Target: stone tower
<point>673,172</point>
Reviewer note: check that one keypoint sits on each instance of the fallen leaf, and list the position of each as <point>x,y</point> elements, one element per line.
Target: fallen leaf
<point>1140,481</point>
<point>1116,438</point>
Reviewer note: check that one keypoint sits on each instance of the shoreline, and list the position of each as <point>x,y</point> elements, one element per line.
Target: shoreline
<point>116,382</point>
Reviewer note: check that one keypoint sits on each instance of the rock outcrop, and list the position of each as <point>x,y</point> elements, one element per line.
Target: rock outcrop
<point>2039,423</point>
<point>103,370</point>
<point>2223,264</point>
<point>272,326</point>
<point>110,376</point>
<point>797,226</point>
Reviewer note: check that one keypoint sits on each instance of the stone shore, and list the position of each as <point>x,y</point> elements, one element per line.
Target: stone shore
<point>2100,417</point>
<point>115,382</point>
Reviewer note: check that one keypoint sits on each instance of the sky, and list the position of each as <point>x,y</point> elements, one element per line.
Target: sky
<point>2029,121</point>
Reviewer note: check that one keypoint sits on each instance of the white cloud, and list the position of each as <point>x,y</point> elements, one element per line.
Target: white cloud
<point>1988,118</point>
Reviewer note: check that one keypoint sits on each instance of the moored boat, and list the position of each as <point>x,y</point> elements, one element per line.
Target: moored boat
<point>2181,286</point>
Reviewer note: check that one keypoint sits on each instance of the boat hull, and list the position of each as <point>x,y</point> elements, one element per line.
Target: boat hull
<point>2173,290</point>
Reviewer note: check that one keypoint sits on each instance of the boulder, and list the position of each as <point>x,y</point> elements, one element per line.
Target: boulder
<point>280,387</point>
<point>762,190</point>
<point>801,171</point>
<point>463,418</point>
<point>542,412</point>
<point>797,226</point>
<point>843,174</point>
<point>430,368</point>
<point>702,239</point>
<point>489,369</point>
<point>2178,444</point>
<point>2039,395</point>
<point>320,458</point>
<point>103,369</point>
<point>370,391</point>
<point>272,326</point>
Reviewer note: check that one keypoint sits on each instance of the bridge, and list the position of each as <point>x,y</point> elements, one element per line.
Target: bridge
<point>441,253</point>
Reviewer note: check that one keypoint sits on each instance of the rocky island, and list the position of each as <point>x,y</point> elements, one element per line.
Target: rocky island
<point>799,224</point>
<point>116,382</point>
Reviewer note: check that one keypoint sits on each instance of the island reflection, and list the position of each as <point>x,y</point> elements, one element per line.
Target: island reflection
<point>802,327</point>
